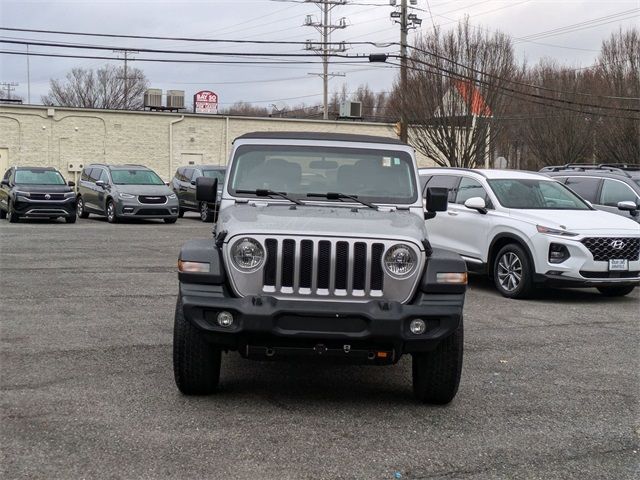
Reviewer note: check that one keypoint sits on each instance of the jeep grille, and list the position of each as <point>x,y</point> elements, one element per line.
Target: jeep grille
<point>325,268</point>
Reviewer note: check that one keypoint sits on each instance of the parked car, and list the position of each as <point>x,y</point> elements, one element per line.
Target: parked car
<point>611,187</point>
<point>525,229</point>
<point>36,192</point>
<point>125,191</point>
<point>183,184</point>
<point>320,253</point>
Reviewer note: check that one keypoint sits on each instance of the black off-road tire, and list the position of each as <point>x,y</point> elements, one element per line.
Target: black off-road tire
<point>80,210</point>
<point>436,374</point>
<point>12,216</point>
<point>620,291</point>
<point>170,220</point>
<point>196,363</point>
<point>525,286</point>
<point>206,212</point>
<point>71,218</point>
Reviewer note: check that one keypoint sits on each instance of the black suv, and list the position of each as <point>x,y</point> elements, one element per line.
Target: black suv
<point>125,191</point>
<point>612,187</point>
<point>184,185</point>
<point>36,192</point>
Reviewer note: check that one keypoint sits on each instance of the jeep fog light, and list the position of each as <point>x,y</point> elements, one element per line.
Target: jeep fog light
<point>417,326</point>
<point>193,267</point>
<point>224,319</point>
<point>400,260</point>
<point>247,254</point>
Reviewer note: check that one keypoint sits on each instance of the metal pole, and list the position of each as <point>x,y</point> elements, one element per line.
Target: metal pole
<point>403,70</point>
<point>28,78</point>
<point>325,60</point>
<point>126,83</point>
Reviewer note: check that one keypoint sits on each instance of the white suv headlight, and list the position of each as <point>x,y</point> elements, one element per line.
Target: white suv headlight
<point>555,231</point>
<point>247,254</point>
<point>400,260</point>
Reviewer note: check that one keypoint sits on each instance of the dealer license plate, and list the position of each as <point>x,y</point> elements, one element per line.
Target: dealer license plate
<point>618,264</point>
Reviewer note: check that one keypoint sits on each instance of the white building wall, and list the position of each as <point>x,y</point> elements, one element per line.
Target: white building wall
<point>39,136</point>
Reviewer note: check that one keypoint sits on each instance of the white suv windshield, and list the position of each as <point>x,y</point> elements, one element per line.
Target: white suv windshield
<point>135,177</point>
<point>38,177</point>
<point>381,176</point>
<point>536,195</point>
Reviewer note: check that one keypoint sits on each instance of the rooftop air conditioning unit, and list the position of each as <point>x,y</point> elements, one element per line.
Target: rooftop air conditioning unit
<point>175,98</point>
<point>153,98</point>
<point>351,110</point>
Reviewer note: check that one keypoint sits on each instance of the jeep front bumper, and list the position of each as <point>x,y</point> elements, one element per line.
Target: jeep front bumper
<point>266,327</point>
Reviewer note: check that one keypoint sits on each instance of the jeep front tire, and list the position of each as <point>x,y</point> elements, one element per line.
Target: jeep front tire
<point>196,363</point>
<point>436,374</point>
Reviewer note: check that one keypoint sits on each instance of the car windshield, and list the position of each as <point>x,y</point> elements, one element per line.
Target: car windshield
<point>372,175</point>
<point>38,177</point>
<point>219,174</point>
<point>135,177</point>
<point>536,195</point>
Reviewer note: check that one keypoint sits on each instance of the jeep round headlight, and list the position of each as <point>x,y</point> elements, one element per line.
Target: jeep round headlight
<point>400,260</point>
<point>247,254</point>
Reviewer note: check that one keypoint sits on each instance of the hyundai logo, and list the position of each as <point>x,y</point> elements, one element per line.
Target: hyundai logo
<point>47,196</point>
<point>618,244</point>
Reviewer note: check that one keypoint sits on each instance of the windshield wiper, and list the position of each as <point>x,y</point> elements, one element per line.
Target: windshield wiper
<point>262,192</point>
<point>340,196</point>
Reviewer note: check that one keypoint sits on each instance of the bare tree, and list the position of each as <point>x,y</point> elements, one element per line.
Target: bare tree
<point>105,87</point>
<point>246,110</point>
<point>618,139</point>
<point>453,90</point>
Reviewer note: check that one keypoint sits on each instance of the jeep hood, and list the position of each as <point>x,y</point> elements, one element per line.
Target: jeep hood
<point>280,219</point>
<point>590,222</point>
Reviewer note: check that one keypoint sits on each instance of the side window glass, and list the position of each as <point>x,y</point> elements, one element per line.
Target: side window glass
<point>179,174</point>
<point>188,173</point>
<point>7,174</point>
<point>196,174</point>
<point>447,181</point>
<point>104,177</point>
<point>470,188</point>
<point>85,175</point>
<point>587,188</point>
<point>95,174</point>
<point>614,192</point>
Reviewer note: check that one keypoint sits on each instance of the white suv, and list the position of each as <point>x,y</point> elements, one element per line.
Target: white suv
<point>525,229</point>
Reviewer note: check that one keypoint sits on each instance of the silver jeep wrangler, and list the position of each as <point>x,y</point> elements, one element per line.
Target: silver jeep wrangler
<point>320,253</point>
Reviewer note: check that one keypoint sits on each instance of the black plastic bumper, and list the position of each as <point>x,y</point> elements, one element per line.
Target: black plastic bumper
<point>265,326</point>
<point>44,209</point>
<point>558,281</point>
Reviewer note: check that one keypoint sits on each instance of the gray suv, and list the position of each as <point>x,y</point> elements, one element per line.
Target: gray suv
<point>183,185</point>
<point>125,191</point>
<point>612,187</point>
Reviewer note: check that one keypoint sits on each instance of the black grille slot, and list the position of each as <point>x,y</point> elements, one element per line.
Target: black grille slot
<point>324,263</point>
<point>271,266</point>
<point>607,248</point>
<point>152,198</point>
<point>377,275</point>
<point>288,262</point>
<point>342,265</point>
<point>621,274</point>
<point>359,265</point>
<point>306,263</point>
<point>153,211</point>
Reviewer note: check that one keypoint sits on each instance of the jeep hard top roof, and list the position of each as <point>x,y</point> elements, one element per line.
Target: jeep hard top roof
<point>319,136</point>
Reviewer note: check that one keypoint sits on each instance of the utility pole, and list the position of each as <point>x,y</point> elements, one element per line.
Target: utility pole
<point>9,87</point>
<point>325,47</point>
<point>126,78</point>
<point>28,78</point>
<point>407,22</point>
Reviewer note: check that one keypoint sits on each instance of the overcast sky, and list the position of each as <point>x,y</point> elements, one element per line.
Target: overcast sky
<point>276,20</point>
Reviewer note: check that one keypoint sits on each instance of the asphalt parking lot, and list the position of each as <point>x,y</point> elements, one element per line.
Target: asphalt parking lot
<point>550,387</point>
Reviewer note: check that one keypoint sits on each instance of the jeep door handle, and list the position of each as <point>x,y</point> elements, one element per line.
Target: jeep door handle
<point>452,213</point>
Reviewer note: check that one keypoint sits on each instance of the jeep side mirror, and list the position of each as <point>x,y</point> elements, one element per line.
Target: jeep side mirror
<point>628,206</point>
<point>206,189</point>
<point>437,201</point>
<point>476,203</point>
<point>71,183</point>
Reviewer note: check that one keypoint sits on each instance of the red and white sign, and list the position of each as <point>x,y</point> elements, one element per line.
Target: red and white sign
<point>205,102</point>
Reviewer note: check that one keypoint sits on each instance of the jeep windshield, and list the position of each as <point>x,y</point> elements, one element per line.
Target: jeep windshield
<point>533,194</point>
<point>370,175</point>
<point>38,177</point>
<point>135,177</point>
